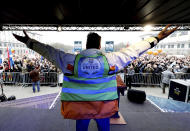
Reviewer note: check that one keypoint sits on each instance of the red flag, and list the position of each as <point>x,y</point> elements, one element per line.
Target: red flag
<point>8,57</point>
<point>127,45</point>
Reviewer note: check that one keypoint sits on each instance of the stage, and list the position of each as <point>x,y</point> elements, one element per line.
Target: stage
<point>139,117</point>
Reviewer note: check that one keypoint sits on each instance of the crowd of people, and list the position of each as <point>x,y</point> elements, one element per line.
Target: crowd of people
<point>18,71</point>
<point>160,63</point>
<point>144,64</point>
<point>25,64</point>
<point>149,69</point>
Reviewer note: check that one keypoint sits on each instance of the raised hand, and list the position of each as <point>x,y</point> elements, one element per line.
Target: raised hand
<point>165,33</point>
<point>23,39</point>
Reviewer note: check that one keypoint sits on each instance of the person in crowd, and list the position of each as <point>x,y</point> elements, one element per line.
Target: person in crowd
<point>156,69</point>
<point>176,68</point>
<point>24,75</point>
<point>148,69</point>
<point>16,74</point>
<point>89,77</point>
<point>142,66</point>
<point>30,66</point>
<point>177,71</point>
<point>188,70</point>
<point>52,74</point>
<point>136,66</point>
<point>184,69</point>
<point>35,76</point>
<point>129,74</point>
<point>166,76</point>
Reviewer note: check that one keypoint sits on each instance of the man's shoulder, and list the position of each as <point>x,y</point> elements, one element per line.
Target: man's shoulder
<point>34,71</point>
<point>91,52</point>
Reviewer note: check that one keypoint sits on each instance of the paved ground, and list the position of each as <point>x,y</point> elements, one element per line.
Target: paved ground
<point>26,92</point>
<point>154,91</point>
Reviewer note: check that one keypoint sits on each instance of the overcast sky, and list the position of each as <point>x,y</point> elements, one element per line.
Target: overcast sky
<point>69,37</point>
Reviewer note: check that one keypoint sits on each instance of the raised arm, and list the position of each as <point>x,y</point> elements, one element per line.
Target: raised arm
<point>56,56</point>
<point>165,33</point>
<point>122,58</point>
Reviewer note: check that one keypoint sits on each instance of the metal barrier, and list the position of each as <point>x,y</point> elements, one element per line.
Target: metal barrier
<point>150,79</point>
<point>18,78</point>
<point>182,75</point>
<point>52,78</point>
<point>144,79</point>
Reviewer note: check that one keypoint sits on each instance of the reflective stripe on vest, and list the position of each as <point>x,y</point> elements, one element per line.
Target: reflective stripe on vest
<point>90,82</point>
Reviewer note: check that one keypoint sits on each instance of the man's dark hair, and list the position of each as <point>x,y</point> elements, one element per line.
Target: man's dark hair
<point>93,41</point>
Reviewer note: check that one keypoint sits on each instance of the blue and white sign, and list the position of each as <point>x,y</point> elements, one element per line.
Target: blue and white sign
<point>109,46</point>
<point>91,67</point>
<point>77,46</point>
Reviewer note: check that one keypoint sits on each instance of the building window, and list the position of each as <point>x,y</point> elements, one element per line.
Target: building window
<point>168,46</point>
<point>173,35</point>
<point>183,33</point>
<point>182,45</point>
<point>189,45</point>
<point>178,45</point>
<point>172,46</point>
<point>0,44</point>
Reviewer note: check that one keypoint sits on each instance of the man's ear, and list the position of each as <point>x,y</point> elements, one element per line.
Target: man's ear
<point>100,44</point>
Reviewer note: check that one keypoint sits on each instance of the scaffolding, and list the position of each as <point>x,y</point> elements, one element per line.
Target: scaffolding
<point>88,27</point>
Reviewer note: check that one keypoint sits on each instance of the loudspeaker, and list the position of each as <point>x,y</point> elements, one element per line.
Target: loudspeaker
<point>3,98</point>
<point>136,96</point>
<point>11,98</point>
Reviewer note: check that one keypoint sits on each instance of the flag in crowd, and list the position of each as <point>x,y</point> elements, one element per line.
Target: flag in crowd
<point>10,58</point>
<point>42,58</point>
<point>1,61</point>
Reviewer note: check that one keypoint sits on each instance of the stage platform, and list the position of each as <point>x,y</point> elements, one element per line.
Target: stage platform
<point>169,105</point>
<point>139,117</point>
<point>39,102</point>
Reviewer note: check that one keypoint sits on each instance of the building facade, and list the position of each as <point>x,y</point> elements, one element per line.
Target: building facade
<point>7,41</point>
<point>177,43</point>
